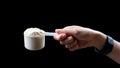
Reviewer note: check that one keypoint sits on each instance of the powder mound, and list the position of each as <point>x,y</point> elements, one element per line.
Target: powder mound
<point>34,32</point>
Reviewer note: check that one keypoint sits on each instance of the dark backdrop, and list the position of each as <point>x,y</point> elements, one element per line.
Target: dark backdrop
<point>54,53</point>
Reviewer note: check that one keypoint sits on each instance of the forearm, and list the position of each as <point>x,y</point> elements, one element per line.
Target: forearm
<point>115,53</point>
<point>100,43</point>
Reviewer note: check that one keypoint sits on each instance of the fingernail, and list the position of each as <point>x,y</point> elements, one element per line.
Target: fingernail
<point>58,31</point>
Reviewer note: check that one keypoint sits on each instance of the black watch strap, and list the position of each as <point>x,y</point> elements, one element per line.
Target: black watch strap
<point>108,46</point>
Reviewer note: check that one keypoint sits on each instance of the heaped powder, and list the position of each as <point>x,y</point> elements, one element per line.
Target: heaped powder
<point>34,32</point>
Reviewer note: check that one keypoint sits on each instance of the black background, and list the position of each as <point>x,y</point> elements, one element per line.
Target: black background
<point>55,54</point>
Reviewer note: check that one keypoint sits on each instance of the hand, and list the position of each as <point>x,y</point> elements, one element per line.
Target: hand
<point>77,37</point>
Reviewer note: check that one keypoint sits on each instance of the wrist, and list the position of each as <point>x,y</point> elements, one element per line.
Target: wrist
<point>100,39</point>
<point>108,46</point>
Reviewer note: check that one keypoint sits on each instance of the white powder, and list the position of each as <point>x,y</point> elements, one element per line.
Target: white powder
<point>34,38</point>
<point>34,32</point>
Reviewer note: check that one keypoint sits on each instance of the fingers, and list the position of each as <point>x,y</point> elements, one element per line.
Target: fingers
<point>66,37</point>
<point>72,46</point>
<point>67,40</point>
<point>60,35</point>
<point>70,43</point>
<point>59,31</point>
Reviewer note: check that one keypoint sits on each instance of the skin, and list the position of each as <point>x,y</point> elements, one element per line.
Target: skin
<point>77,37</point>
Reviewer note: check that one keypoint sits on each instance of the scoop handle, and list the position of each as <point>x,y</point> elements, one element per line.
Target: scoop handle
<point>49,33</point>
